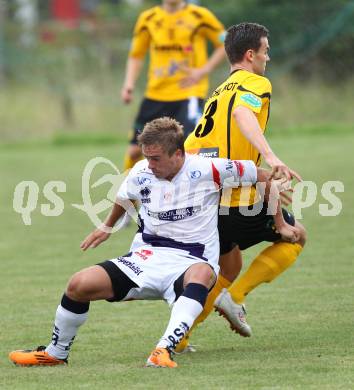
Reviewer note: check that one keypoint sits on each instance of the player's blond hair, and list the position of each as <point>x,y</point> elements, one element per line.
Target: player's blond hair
<point>166,132</point>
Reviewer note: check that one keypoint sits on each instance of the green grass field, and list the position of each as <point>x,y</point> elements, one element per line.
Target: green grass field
<point>302,322</point>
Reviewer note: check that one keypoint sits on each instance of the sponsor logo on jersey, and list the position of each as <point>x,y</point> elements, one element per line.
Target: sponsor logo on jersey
<point>209,152</point>
<point>144,180</point>
<point>176,214</point>
<point>145,192</point>
<point>252,100</point>
<point>195,174</point>
<point>130,265</point>
<point>174,47</point>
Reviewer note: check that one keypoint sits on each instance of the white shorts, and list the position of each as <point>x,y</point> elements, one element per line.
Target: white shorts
<point>154,270</point>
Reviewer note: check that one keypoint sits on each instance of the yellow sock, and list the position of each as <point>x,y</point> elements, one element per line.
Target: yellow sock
<point>130,162</point>
<point>221,283</point>
<point>265,267</point>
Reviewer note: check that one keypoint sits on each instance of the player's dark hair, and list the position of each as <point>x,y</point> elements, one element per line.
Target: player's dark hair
<point>243,37</point>
<point>164,131</point>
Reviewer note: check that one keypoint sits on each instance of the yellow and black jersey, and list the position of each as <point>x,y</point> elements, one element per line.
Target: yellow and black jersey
<point>217,133</point>
<point>175,40</point>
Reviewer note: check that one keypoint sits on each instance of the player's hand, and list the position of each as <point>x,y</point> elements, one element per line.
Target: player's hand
<point>193,76</point>
<point>280,170</point>
<point>288,233</point>
<point>94,239</point>
<point>286,197</point>
<point>127,94</point>
<point>276,190</point>
<point>282,184</point>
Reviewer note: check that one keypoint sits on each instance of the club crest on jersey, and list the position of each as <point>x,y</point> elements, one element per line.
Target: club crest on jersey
<point>145,192</point>
<point>144,180</point>
<point>195,174</point>
<point>252,100</point>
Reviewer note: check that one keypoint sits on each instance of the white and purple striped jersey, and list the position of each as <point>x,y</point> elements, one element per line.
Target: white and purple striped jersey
<point>182,213</point>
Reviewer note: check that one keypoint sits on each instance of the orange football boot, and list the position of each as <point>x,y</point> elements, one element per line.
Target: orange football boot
<point>160,358</point>
<point>35,357</point>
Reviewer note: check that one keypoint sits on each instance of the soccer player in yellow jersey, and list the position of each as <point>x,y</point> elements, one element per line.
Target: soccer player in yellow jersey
<point>233,125</point>
<point>176,35</point>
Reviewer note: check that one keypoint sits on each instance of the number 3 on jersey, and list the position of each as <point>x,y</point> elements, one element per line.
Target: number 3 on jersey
<point>203,130</point>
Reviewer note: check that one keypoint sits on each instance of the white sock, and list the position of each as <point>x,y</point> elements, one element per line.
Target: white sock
<point>183,314</point>
<point>65,328</point>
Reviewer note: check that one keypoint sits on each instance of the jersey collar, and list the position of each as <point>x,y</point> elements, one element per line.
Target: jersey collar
<point>234,71</point>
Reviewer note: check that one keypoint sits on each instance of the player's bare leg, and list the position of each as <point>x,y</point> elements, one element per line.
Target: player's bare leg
<point>90,284</point>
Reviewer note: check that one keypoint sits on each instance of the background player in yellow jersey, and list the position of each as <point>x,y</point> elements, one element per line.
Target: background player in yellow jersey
<point>233,125</point>
<point>176,35</point>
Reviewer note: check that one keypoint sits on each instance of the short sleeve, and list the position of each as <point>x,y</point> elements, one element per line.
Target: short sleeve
<point>233,173</point>
<point>129,189</point>
<point>141,38</point>
<point>252,92</point>
<point>212,28</point>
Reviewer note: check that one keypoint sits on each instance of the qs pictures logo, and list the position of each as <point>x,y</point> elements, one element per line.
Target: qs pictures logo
<point>26,194</point>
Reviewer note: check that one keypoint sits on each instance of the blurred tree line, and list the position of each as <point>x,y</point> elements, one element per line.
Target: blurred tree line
<point>307,38</point>
<point>78,64</point>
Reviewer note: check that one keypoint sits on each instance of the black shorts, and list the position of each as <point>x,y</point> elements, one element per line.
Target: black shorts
<point>121,284</point>
<point>186,112</point>
<point>246,230</point>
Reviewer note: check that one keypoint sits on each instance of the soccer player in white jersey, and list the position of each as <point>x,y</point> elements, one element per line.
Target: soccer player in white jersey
<point>174,255</point>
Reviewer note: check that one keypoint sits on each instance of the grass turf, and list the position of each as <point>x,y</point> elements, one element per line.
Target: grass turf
<point>302,322</point>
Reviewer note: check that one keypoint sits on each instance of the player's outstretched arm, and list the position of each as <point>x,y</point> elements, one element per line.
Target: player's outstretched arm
<point>249,126</point>
<point>104,231</point>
